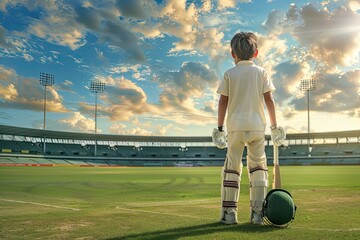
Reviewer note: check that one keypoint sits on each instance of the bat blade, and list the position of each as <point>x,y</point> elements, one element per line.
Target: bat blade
<point>276,170</point>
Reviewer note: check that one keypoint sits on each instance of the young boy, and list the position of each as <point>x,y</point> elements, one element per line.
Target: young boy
<point>244,89</point>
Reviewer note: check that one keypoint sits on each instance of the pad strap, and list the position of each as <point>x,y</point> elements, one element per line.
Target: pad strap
<point>257,169</point>
<point>230,188</point>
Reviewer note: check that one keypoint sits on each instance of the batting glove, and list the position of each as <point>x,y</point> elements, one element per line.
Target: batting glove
<point>219,138</point>
<point>278,136</point>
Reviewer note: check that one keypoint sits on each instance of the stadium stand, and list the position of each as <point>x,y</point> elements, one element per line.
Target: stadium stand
<point>76,150</point>
<point>294,150</point>
<point>24,146</point>
<point>349,148</point>
<point>126,151</point>
<point>29,147</point>
<point>325,149</point>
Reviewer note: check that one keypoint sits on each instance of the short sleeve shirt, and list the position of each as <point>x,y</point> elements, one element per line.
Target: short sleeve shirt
<point>244,85</point>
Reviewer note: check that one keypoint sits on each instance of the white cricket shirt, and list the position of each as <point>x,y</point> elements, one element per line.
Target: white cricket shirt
<point>244,85</point>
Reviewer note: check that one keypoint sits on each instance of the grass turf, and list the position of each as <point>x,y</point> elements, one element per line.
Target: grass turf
<point>167,203</point>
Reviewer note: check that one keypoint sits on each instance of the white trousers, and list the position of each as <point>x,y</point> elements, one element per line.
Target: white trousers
<point>232,170</point>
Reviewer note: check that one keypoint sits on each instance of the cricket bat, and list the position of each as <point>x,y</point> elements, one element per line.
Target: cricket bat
<point>276,169</point>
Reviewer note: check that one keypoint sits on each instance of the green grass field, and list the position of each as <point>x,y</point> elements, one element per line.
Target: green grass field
<point>167,203</point>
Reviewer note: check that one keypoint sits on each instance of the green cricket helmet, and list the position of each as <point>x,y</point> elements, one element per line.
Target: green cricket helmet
<point>279,208</point>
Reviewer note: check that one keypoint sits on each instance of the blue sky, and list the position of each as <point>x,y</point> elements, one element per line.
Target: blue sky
<point>162,62</point>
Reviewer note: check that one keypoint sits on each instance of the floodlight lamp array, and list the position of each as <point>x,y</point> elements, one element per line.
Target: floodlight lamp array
<point>308,85</point>
<point>97,86</point>
<point>47,79</point>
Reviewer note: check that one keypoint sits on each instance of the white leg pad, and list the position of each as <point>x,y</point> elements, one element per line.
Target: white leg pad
<point>258,189</point>
<point>230,190</point>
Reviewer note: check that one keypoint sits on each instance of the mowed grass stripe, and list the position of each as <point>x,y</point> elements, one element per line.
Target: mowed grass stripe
<point>169,203</point>
<point>173,203</point>
<point>161,213</point>
<point>39,204</point>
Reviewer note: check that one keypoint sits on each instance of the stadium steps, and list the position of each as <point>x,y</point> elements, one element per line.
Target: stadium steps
<point>97,162</point>
<point>60,161</point>
<point>24,160</point>
<point>42,161</point>
<point>7,160</point>
<point>77,162</point>
<point>118,162</point>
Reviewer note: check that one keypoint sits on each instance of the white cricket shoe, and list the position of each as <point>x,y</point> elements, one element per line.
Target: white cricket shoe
<point>257,219</point>
<point>229,218</point>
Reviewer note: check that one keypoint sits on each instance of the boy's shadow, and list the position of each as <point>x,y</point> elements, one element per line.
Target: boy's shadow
<point>198,230</point>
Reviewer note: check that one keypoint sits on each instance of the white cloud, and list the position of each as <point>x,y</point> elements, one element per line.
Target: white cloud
<point>354,5</point>
<point>331,37</point>
<point>4,42</point>
<point>125,68</point>
<point>66,85</point>
<point>226,4</point>
<point>140,9</point>
<point>139,128</point>
<point>6,3</point>
<point>317,41</point>
<point>334,93</point>
<point>207,6</point>
<point>272,51</point>
<point>78,123</point>
<point>19,92</point>
<point>58,29</point>
<point>327,41</point>
<point>222,4</point>
<point>181,90</point>
<point>181,20</point>
<point>148,30</point>
<point>76,60</point>
<point>9,92</point>
<point>123,100</point>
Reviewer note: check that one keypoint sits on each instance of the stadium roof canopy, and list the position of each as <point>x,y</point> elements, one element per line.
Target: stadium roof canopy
<point>38,133</point>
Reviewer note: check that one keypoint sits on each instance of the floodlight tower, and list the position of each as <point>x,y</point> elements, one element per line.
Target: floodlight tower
<point>95,87</point>
<point>308,85</point>
<point>46,79</point>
